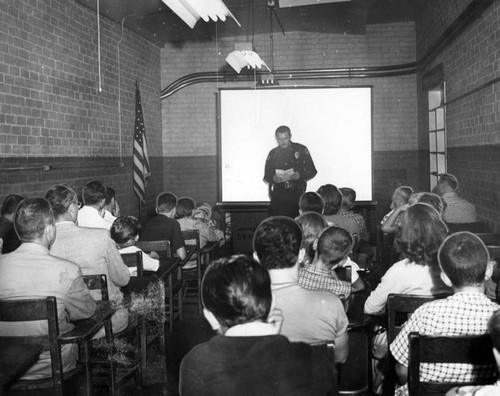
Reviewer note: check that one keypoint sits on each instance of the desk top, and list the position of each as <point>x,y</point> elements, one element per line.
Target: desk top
<point>15,359</point>
<point>139,284</point>
<point>88,327</point>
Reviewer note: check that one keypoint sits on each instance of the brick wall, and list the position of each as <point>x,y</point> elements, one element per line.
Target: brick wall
<point>471,63</point>
<point>52,112</point>
<point>189,116</point>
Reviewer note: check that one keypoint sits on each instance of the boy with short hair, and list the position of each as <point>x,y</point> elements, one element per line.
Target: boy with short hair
<point>311,202</point>
<point>465,265</point>
<point>332,251</point>
<point>125,233</point>
<point>348,200</point>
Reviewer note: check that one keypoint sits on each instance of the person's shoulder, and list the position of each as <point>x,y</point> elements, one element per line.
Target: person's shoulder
<point>69,267</point>
<point>324,299</point>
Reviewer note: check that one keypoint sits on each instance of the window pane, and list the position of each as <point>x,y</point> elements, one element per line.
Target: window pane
<point>434,180</point>
<point>440,141</point>
<point>432,121</point>
<point>432,142</point>
<point>433,164</point>
<point>440,118</point>
<point>435,99</point>
<point>441,167</point>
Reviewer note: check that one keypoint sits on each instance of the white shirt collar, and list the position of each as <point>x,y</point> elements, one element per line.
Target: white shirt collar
<point>251,329</point>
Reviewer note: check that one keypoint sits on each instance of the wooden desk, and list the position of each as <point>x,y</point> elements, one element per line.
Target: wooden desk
<point>15,359</point>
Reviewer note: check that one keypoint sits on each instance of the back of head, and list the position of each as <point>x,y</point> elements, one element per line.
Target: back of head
<point>185,206</point>
<point>203,212</point>
<point>348,197</point>
<point>311,202</point>
<point>422,233</point>
<point>403,193</point>
<point>494,330</point>
<point>60,197</point>
<point>110,195</point>
<point>165,202</point>
<point>10,204</point>
<point>277,242</point>
<point>32,216</point>
<point>237,290</point>
<point>93,193</point>
<point>334,244</point>
<point>463,257</point>
<point>312,225</point>
<point>450,180</point>
<point>332,197</point>
<point>124,228</point>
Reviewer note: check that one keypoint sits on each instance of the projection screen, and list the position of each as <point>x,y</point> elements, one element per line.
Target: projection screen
<point>334,123</point>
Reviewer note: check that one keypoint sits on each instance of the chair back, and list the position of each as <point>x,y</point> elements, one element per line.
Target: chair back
<point>40,309</point>
<point>99,283</point>
<point>489,238</point>
<point>400,306</point>
<point>134,260</point>
<point>161,247</point>
<point>478,226</point>
<point>192,241</point>
<point>472,349</point>
<point>494,253</point>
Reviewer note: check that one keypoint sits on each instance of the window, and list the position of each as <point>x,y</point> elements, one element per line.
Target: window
<point>437,133</point>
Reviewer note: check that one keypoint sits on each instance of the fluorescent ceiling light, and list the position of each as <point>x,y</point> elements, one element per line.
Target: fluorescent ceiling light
<point>190,11</point>
<point>297,3</point>
<point>240,59</point>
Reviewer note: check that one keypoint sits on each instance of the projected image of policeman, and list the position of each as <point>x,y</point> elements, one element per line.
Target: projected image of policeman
<point>288,168</point>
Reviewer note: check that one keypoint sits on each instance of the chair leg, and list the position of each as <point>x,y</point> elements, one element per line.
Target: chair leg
<point>109,339</point>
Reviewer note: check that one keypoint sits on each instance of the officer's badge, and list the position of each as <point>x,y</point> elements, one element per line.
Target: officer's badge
<point>297,155</point>
<point>306,151</point>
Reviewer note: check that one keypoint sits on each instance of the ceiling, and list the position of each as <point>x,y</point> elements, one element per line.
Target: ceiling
<point>153,20</point>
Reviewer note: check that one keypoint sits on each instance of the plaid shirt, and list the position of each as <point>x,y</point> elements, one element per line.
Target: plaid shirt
<point>459,314</point>
<point>458,210</point>
<point>360,220</point>
<point>314,278</point>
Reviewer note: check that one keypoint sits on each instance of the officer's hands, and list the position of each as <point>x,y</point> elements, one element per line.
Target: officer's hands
<point>277,179</point>
<point>295,176</point>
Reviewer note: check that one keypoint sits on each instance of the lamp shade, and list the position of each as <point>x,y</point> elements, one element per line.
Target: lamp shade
<point>190,11</point>
<point>240,59</point>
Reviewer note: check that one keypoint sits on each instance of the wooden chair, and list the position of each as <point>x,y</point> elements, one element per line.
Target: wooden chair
<point>478,226</point>
<point>41,309</point>
<point>399,307</point>
<point>174,282</point>
<point>441,349</point>
<point>107,371</point>
<point>489,238</point>
<point>134,260</point>
<point>192,275</point>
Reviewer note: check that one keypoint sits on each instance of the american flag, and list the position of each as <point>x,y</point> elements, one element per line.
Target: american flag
<point>142,169</point>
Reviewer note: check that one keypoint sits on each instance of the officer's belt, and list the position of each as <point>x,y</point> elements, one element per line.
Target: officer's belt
<point>290,184</point>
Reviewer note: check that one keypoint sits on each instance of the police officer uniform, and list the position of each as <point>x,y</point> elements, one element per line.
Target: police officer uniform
<point>285,196</point>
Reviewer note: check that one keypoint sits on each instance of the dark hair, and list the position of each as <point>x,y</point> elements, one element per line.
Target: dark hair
<point>334,243</point>
<point>237,290</point>
<point>449,179</point>
<point>93,193</point>
<point>463,257</point>
<point>282,129</point>
<point>165,202</point>
<point>60,197</point>
<point>124,228</point>
<point>311,202</point>
<point>10,204</point>
<point>332,197</point>
<point>185,206</point>
<point>110,194</point>
<point>494,329</point>
<point>422,232</point>
<point>312,225</point>
<point>277,242</point>
<point>348,197</point>
<point>32,216</point>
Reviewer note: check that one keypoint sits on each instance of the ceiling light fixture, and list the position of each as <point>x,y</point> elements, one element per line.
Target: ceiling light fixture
<point>244,56</point>
<point>190,11</point>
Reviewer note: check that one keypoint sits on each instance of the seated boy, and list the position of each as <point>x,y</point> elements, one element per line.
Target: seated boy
<point>348,200</point>
<point>248,356</point>
<point>485,390</point>
<point>332,249</point>
<point>465,264</point>
<point>125,233</point>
